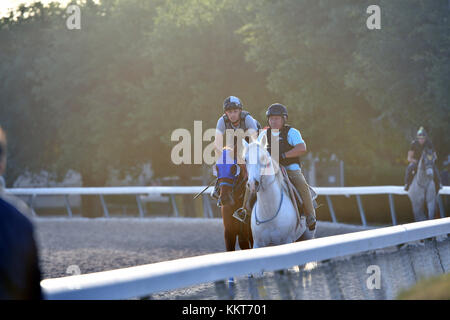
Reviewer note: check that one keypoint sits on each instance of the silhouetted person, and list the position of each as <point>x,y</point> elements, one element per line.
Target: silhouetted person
<point>19,265</point>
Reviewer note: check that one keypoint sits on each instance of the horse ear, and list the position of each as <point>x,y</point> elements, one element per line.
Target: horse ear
<point>263,140</point>
<point>244,150</point>
<point>245,144</point>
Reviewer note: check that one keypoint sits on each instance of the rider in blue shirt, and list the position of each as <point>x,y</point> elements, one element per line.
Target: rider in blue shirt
<point>291,147</point>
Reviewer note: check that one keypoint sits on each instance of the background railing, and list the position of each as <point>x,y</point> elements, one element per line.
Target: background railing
<point>143,280</point>
<point>142,192</point>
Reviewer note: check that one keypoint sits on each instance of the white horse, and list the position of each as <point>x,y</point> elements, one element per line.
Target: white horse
<point>274,220</point>
<point>422,192</point>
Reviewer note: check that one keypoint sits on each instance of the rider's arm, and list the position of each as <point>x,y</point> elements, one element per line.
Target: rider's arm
<point>252,128</point>
<point>218,140</point>
<point>299,150</point>
<point>295,139</point>
<point>411,156</point>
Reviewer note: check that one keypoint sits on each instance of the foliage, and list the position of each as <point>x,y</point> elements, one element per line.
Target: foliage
<point>108,96</point>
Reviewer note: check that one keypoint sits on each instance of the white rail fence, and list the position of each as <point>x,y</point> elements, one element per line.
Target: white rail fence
<point>143,280</point>
<point>141,192</point>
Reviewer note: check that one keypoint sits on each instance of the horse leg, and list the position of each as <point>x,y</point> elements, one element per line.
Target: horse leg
<point>244,242</point>
<point>418,209</point>
<point>431,209</point>
<point>245,236</point>
<point>250,235</point>
<point>230,239</point>
<point>229,229</point>
<point>431,202</point>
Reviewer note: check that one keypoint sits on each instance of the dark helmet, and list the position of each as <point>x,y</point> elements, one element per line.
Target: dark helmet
<point>421,133</point>
<point>277,109</point>
<point>232,102</point>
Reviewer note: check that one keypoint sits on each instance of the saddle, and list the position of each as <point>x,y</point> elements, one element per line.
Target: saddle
<point>295,195</point>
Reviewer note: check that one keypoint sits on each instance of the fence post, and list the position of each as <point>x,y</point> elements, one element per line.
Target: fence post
<point>105,208</point>
<point>361,210</point>
<point>174,205</point>
<point>139,203</point>
<point>69,210</point>
<point>331,209</point>
<point>392,207</point>
<point>207,210</point>
<point>33,198</point>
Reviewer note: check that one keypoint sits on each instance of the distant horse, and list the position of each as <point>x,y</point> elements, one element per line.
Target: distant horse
<point>422,192</point>
<point>274,220</point>
<point>232,179</point>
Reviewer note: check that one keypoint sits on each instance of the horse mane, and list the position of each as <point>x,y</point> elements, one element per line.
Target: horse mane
<point>279,176</point>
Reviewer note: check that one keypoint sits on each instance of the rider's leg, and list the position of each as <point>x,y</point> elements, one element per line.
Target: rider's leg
<point>299,181</point>
<point>409,174</point>
<point>245,204</point>
<point>249,200</point>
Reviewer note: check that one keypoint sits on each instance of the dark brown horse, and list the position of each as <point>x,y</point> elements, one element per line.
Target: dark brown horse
<point>232,179</point>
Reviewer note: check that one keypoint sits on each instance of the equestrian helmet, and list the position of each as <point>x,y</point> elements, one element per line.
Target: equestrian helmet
<point>232,102</point>
<point>421,133</point>
<point>277,109</point>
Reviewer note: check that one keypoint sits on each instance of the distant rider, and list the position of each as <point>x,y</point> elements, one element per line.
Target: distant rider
<point>233,118</point>
<point>415,152</point>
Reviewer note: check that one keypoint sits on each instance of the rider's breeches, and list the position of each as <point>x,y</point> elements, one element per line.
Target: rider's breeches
<point>246,204</point>
<point>299,181</point>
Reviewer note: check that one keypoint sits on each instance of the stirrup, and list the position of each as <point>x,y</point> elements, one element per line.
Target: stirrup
<point>241,215</point>
<point>311,222</point>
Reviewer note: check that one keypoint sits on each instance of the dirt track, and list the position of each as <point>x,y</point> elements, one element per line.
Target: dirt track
<point>105,244</point>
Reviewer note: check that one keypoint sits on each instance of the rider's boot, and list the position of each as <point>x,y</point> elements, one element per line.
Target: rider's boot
<point>409,175</point>
<point>408,182</point>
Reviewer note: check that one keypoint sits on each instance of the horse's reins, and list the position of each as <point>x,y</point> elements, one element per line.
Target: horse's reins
<point>421,163</point>
<point>258,222</point>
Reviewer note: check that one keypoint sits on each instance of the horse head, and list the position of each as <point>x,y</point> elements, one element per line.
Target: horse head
<point>258,162</point>
<point>427,162</point>
<point>228,173</point>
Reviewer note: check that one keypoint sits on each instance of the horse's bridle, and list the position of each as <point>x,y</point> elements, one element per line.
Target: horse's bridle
<point>263,166</point>
<point>235,183</point>
<point>422,162</point>
<point>260,184</point>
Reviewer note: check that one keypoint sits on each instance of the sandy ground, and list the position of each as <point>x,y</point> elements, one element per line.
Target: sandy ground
<point>104,244</point>
<point>93,245</point>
